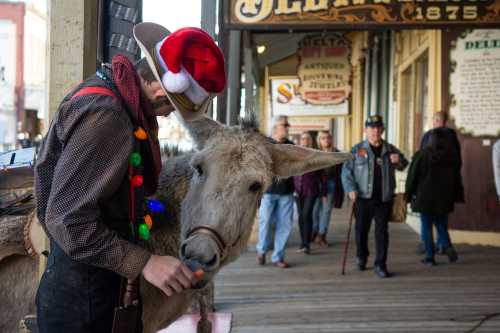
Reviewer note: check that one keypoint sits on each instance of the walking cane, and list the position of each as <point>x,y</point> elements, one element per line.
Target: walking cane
<point>348,237</point>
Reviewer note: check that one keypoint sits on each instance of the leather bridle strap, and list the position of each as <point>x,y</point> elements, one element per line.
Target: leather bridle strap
<point>215,236</point>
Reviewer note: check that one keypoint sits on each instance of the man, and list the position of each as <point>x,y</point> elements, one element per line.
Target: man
<point>102,147</point>
<point>439,120</point>
<point>276,206</point>
<point>496,166</point>
<point>369,180</point>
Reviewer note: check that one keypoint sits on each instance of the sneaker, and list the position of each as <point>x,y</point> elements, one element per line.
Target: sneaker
<point>428,262</point>
<point>322,241</point>
<point>301,249</point>
<point>452,254</point>
<point>281,264</point>
<point>361,263</point>
<point>381,272</point>
<point>304,250</point>
<point>261,259</point>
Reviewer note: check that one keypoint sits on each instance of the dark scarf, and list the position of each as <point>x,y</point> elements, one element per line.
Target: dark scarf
<point>127,83</point>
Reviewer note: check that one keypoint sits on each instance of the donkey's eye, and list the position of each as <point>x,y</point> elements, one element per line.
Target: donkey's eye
<point>255,187</point>
<point>198,169</point>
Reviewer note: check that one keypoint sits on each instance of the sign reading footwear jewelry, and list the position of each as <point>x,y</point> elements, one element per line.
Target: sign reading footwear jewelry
<point>286,100</point>
<point>362,13</point>
<point>324,69</point>
<point>475,83</point>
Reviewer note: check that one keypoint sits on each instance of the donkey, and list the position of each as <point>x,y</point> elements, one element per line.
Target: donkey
<point>213,194</point>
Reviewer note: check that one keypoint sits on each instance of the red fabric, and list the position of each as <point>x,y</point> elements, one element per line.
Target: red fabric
<point>127,83</point>
<point>94,90</point>
<point>197,52</point>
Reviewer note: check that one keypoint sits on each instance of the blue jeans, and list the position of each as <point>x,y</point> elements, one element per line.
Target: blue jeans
<point>442,234</point>
<point>278,209</point>
<point>441,223</point>
<point>322,211</point>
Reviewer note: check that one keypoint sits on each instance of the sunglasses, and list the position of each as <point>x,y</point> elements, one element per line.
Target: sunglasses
<point>286,125</point>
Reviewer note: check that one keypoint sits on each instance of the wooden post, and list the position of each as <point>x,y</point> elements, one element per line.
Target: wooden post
<point>249,75</point>
<point>233,78</point>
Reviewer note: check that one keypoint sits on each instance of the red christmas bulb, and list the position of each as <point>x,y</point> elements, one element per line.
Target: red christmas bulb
<point>136,181</point>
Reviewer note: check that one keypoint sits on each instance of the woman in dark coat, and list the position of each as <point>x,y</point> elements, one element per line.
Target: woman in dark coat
<point>307,188</point>
<point>433,186</point>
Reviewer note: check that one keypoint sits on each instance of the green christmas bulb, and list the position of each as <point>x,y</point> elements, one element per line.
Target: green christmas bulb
<point>135,159</point>
<point>144,232</point>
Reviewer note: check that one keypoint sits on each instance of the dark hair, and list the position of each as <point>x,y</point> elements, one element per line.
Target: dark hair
<point>144,71</point>
<point>441,147</point>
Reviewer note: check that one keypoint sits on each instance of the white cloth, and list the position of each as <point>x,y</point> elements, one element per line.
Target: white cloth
<point>496,165</point>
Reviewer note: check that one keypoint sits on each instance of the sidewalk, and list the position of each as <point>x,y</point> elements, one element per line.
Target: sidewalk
<point>312,295</point>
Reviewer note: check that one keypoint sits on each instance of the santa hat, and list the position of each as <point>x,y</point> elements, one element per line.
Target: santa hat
<point>188,63</point>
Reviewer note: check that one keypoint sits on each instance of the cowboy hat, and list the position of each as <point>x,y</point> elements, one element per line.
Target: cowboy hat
<point>187,63</point>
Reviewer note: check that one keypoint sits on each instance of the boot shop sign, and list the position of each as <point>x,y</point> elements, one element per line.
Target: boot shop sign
<point>362,14</point>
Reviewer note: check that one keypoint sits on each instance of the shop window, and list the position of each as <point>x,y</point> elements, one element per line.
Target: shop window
<point>414,101</point>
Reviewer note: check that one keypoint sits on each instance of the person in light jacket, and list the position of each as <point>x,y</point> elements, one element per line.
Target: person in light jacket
<point>370,181</point>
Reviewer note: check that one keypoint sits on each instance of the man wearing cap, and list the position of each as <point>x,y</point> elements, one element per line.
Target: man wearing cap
<point>370,181</point>
<point>101,147</point>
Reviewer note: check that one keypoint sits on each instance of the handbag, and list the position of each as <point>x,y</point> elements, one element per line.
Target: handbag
<point>399,209</point>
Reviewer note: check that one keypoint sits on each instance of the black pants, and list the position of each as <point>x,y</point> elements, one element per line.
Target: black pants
<point>305,207</point>
<point>365,211</point>
<point>74,297</point>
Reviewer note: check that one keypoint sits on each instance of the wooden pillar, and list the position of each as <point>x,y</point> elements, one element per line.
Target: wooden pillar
<point>249,69</point>
<point>208,23</point>
<point>233,78</point>
<point>72,46</point>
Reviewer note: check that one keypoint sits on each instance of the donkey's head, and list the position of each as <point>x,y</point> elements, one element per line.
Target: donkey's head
<point>231,171</point>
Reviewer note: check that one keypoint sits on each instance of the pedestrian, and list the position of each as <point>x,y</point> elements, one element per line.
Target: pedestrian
<point>101,145</point>
<point>324,205</point>
<point>307,189</point>
<point>276,208</point>
<point>496,166</point>
<point>433,186</point>
<point>439,120</point>
<point>370,181</point>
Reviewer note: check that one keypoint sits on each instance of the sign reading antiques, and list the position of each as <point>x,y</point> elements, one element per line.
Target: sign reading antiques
<point>286,100</point>
<point>475,83</point>
<point>324,69</point>
<point>362,13</point>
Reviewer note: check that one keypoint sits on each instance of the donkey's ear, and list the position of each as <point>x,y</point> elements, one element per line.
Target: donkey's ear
<point>202,129</point>
<point>290,160</point>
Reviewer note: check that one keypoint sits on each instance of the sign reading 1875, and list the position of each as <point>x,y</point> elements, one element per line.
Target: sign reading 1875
<point>363,13</point>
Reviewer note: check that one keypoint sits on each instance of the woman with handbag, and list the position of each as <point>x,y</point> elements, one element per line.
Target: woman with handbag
<point>433,186</point>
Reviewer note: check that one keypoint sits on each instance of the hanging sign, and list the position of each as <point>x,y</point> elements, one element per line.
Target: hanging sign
<point>475,83</point>
<point>364,14</point>
<point>286,100</point>
<point>324,69</point>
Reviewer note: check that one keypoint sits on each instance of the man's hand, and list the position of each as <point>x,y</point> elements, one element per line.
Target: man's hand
<point>169,274</point>
<point>394,158</point>
<point>353,196</point>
